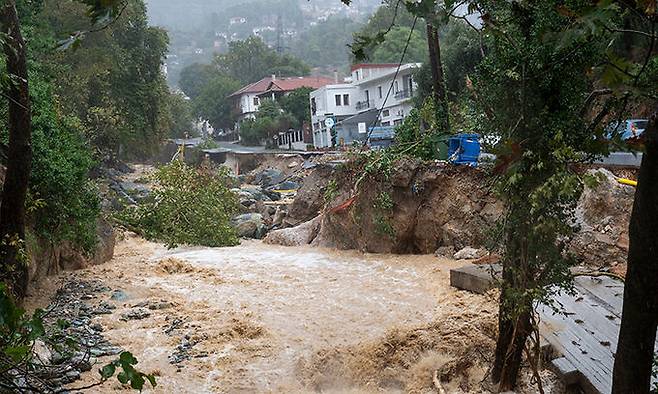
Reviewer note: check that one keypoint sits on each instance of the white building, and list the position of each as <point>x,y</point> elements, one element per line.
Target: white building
<point>362,103</point>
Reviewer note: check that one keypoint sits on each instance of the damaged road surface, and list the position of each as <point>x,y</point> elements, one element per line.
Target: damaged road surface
<point>263,318</point>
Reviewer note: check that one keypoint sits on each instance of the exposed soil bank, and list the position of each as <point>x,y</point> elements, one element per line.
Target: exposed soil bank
<point>421,207</point>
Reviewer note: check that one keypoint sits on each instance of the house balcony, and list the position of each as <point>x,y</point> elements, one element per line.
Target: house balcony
<point>361,105</point>
<point>403,94</point>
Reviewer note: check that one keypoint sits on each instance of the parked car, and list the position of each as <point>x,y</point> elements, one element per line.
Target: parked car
<point>628,129</point>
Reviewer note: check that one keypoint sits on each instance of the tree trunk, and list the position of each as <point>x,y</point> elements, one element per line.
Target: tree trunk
<point>637,336</point>
<point>513,332</point>
<point>19,159</point>
<point>438,81</point>
<point>514,313</point>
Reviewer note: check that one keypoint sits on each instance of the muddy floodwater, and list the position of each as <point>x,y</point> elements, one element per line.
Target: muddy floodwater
<point>253,318</point>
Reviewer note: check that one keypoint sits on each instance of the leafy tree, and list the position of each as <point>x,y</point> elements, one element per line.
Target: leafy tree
<point>270,120</point>
<point>251,60</point>
<point>182,117</point>
<point>326,44</point>
<point>112,81</point>
<point>296,103</point>
<point>627,77</point>
<point>188,206</point>
<point>194,77</point>
<point>389,51</point>
<point>213,103</point>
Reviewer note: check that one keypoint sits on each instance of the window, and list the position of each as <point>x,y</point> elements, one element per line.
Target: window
<point>397,88</point>
<point>386,123</point>
<point>397,122</point>
<point>338,101</point>
<point>314,106</point>
<point>367,96</point>
<point>346,99</point>
<point>256,101</point>
<point>379,89</point>
<point>385,113</point>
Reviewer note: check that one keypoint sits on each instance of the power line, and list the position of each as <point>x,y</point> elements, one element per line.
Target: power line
<point>390,88</point>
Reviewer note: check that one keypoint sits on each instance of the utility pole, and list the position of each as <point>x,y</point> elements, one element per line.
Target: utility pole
<point>279,34</point>
<point>438,81</point>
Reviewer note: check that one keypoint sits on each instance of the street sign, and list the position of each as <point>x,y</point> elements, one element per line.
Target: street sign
<point>329,122</point>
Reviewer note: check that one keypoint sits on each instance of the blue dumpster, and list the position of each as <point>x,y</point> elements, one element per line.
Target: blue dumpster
<point>464,149</point>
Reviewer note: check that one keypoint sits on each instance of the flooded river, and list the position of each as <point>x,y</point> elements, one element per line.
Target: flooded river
<point>262,318</point>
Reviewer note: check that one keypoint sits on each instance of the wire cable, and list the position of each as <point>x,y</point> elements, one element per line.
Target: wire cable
<point>390,88</point>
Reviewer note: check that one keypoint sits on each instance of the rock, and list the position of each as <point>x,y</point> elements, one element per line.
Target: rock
<point>287,185</point>
<point>469,253</point>
<point>119,295</point>
<point>42,352</point>
<point>279,216</point>
<point>307,165</point>
<point>269,177</point>
<point>303,234</point>
<point>135,314</point>
<point>253,192</point>
<point>137,191</point>
<point>445,251</point>
<point>250,225</point>
<point>293,164</point>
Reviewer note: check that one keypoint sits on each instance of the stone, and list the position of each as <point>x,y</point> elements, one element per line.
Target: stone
<point>287,185</point>
<point>250,225</point>
<point>469,253</point>
<point>303,234</point>
<point>42,352</point>
<point>445,251</point>
<point>135,314</point>
<point>269,177</point>
<point>119,295</point>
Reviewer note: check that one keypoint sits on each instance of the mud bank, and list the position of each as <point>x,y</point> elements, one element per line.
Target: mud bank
<point>261,318</point>
<point>422,207</point>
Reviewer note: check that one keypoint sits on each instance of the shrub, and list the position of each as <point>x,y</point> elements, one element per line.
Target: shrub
<point>191,206</point>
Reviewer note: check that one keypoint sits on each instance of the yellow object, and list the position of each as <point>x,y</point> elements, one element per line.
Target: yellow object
<point>625,181</point>
<point>285,191</point>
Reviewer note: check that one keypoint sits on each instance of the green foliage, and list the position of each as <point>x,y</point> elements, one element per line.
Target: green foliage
<point>270,120</point>
<point>296,104</point>
<point>18,333</point>
<point>654,374</point>
<point>326,44</point>
<point>534,88</point>
<point>390,50</point>
<point>250,60</point>
<point>213,103</point>
<point>420,133</point>
<point>330,192</point>
<point>112,82</point>
<point>208,143</point>
<point>188,206</point>
<point>383,202</point>
<point>182,117</point>
<point>195,77</point>
<point>63,204</point>
<point>383,226</point>
<point>128,374</point>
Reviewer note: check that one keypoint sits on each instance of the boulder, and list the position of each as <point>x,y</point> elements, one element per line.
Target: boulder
<point>269,177</point>
<point>250,225</point>
<point>301,235</point>
<point>469,253</point>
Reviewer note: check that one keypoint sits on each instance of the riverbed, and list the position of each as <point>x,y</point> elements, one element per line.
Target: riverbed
<point>263,318</point>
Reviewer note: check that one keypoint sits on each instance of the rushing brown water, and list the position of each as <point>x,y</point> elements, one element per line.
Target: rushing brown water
<point>249,318</point>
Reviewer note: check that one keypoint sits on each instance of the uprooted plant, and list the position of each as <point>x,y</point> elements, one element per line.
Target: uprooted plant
<point>189,206</point>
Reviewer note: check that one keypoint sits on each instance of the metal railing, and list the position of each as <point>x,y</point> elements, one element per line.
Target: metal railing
<point>362,105</point>
<point>402,94</point>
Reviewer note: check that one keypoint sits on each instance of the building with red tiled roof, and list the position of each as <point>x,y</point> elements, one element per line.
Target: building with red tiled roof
<point>248,98</point>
